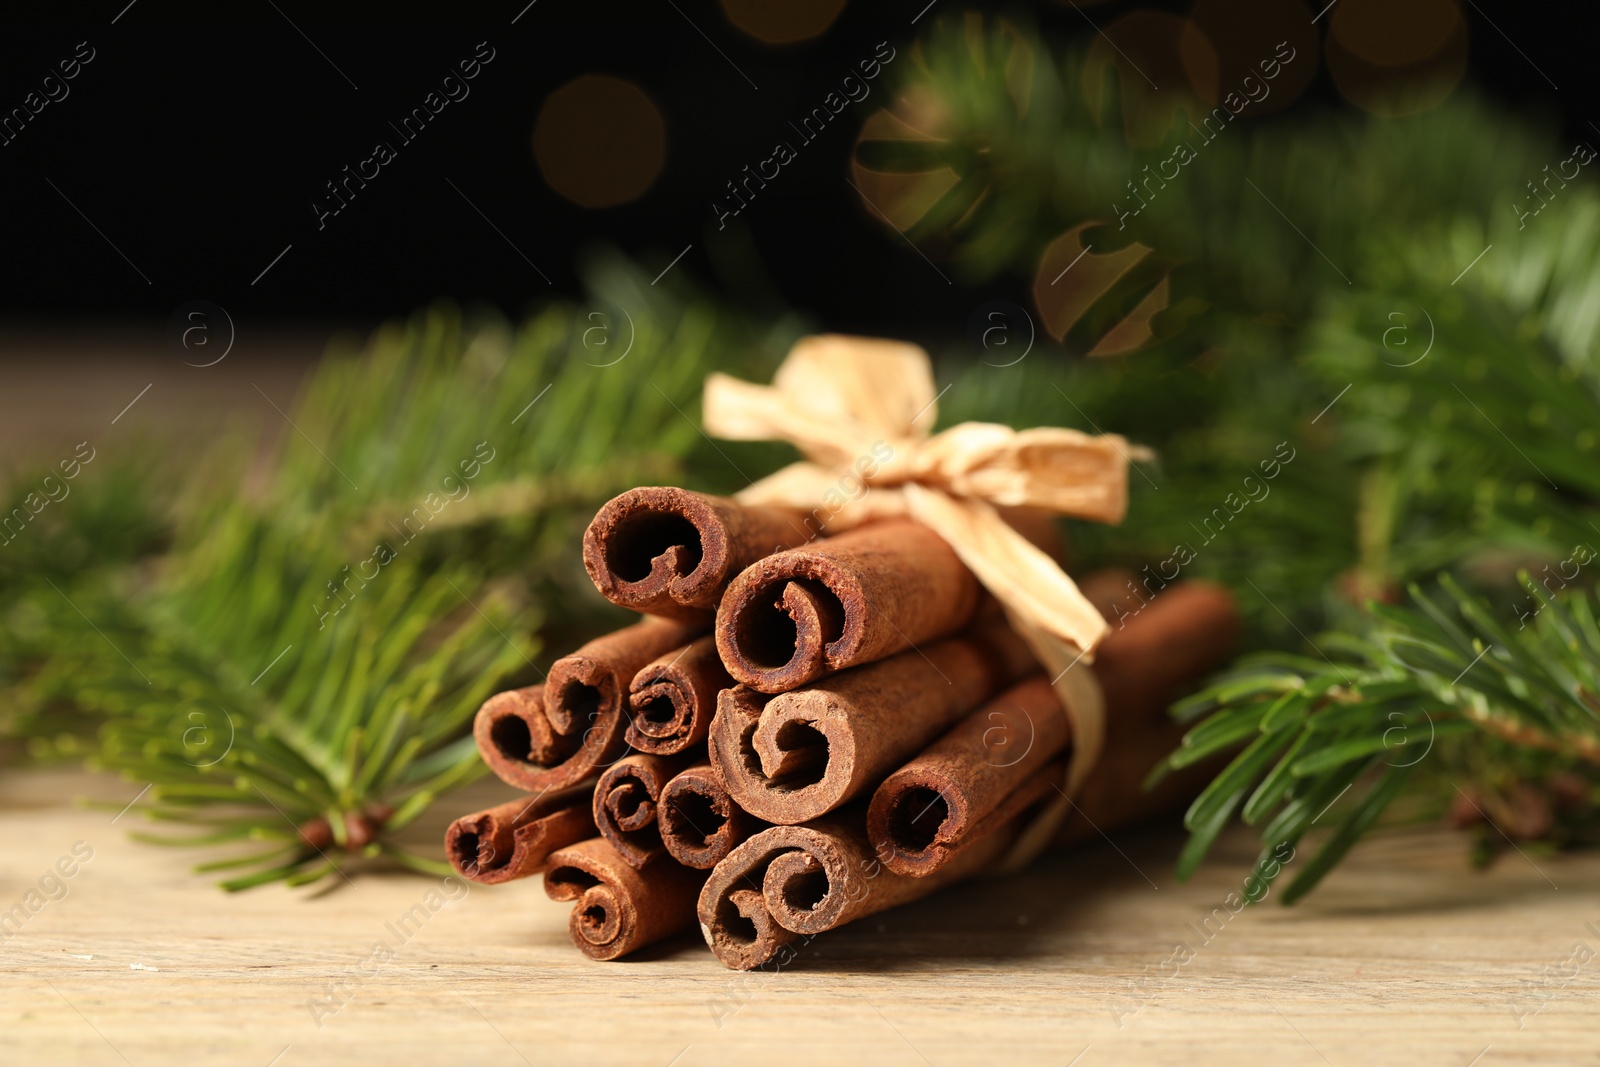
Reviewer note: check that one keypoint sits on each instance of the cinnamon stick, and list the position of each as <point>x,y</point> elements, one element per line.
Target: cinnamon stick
<point>671,552</point>
<point>812,878</point>
<point>734,919</point>
<point>565,731</point>
<point>926,812</point>
<point>1152,654</point>
<point>514,839</point>
<point>852,599</point>
<point>620,908</point>
<point>626,806</point>
<point>793,757</point>
<point>674,697</point>
<point>831,876</point>
<point>698,819</point>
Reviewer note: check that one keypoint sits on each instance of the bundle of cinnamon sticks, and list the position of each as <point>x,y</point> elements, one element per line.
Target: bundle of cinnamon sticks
<point>802,731</point>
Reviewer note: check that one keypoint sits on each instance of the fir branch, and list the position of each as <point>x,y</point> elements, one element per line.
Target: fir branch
<point>1448,462</point>
<point>1441,674</point>
<point>303,665</point>
<point>1475,457</point>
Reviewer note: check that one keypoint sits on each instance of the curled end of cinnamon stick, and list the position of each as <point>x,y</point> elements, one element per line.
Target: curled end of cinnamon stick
<point>604,922</point>
<point>733,914</point>
<point>914,821</point>
<point>674,698</point>
<point>479,846</point>
<point>617,908</point>
<point>786,621</point>
<point>563,732</point>
<point>785,759</point>
<point>627,807</point>
<point>658,550</point>
<point>864,595</point>
<point>581,695</point>
<point>578,725</point>
<point>698,819</point>
<point>663,717</point>
<point>671,552</point>
<point>923,814</point>
<point>514,839</point>
<point>808,890</point>
<point>515,739</point>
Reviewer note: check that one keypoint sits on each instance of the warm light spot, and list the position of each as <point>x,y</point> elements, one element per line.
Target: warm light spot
<point>1071,279</point>
<point>1272,43</point>
<point>1144,48</point>
<point>782,21</point>
<point>1387,33</point>
<point>905,164</point>
<point>895,165</point>
<point>1397,58</point>
<point>600,141</point>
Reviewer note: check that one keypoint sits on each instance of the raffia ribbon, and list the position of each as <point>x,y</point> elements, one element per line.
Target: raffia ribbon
<point>842,399</point>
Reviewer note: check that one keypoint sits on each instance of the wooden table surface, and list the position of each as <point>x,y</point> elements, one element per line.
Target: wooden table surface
<point>1404,956</point>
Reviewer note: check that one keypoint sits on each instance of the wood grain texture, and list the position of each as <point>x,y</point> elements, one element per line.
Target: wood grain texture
<point>1403,957</point>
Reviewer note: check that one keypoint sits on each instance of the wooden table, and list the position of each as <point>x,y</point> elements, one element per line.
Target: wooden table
<point>120,386</point>
<point>1403,957</point>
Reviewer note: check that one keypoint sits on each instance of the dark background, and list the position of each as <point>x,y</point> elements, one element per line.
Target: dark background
<point>196,142</point>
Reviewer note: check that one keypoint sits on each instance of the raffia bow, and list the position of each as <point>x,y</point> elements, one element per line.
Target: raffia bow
<point>861,411</point>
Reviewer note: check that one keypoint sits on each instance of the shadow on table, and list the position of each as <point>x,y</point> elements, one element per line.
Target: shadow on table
<point>1063,906</point>
<point>1047,910</point>
<point>1426,871</point>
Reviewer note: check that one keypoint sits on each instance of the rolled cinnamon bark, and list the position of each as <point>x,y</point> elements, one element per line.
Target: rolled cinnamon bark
<point>698,819</point>
<point>1155,650</point>
<point>565,731</point>
<point>626,805</point>
<point>926,812</point>
<point>813,878</point>
<point>862,596</point>
<point>674,698</point>
<point>620,908</point>
<point>670,552</point>
<point>514,839</point>
<point>733,917</point>
<point>793,757</point>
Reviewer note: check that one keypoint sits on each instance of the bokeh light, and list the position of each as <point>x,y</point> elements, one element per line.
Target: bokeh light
<point>1145,49</point>
<point>1228,41</point>
<point>600,141</point>
<point>1396,58</point>
<point>782,21</point>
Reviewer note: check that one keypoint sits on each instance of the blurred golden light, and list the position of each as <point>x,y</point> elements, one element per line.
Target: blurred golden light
<point>782,21</point>
<point>1394,33</point>
<point>1145,49</point>
<point>902,164</point>
<point>600,141</point>
<point>1266,41</point>
<point>906,193</point>
<point>1084,299</point>
<point>1397,57</point>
